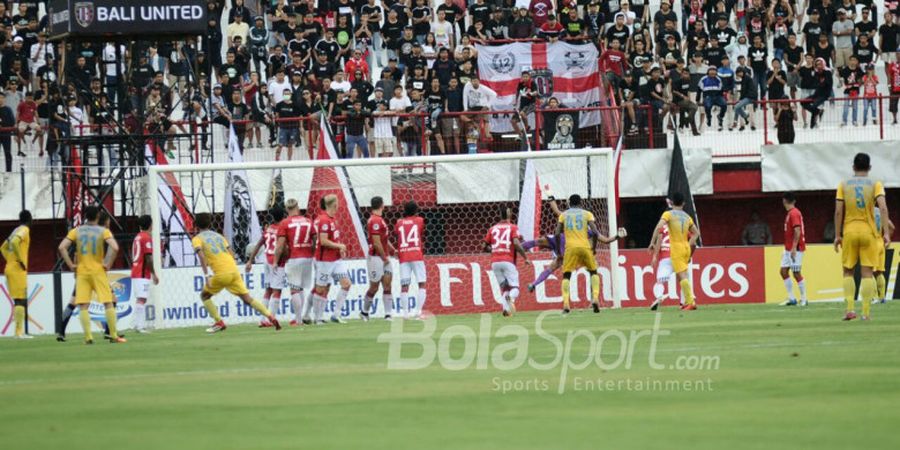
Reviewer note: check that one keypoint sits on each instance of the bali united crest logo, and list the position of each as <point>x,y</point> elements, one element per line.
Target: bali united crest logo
<point>503,63</point>
<point>84,13</point>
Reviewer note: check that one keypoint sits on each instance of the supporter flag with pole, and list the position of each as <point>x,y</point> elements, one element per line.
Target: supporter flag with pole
<point>530,204</point>
<point>176,220</point>
<point>241,222</point>
<point>679,182</point>
<point>334,180</point>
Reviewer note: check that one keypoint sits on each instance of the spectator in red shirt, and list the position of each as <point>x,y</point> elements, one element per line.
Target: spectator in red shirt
<point>614,62</point>
<point>356,62</point>
<point>26,119</point>
<point>541,10</point>
<point>551,30</point>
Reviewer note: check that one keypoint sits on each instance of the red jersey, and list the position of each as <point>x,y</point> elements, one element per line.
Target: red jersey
<point>500,238</point>
<point>324,224</point>
<point>139,249</point>
<point>297,232</point>
<point>410,234</point>
<point>794,219</point>
<point>665,245</point>
<point>894,77</point>
<point>270,239</point>
<point>377,227</point>
<point>615,61</point>
<point>25,111</point>
<point>540,9</point>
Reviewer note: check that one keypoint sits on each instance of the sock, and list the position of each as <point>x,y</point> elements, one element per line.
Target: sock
<point>420,299</point>
<point>255,304</point>
<point>274,302</point>
<point>514,294</point>
<point>106,328</point>
<point>310,304</point>
<point>849,291</point>
<point>367,303</point>
<point>212,310</point>
<point>297,305</point>
<point>139,317</point>
<point>881,286</point>
<point>528,245</point>
<point>85,318</point>
<point>867,291</point>
<point>543,276</point>
<point>595,288</point>
<point>801,284</point>
<point>111,322</point>
<point>319,310</point>
<point>565,293</point>
<point>67,314</point>
<point>403,304</point>
<point>339,303</point>
<point>789,285</point>
<point>19,313</point>
<point>687,291</point>
<point>387,302</point>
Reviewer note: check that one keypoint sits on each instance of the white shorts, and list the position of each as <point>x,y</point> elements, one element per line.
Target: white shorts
<point>328,272</point>
<point>664,270</point>
<point>140,287</point>
<point>506,273</point>
<point>787,262</point>
<point>274,277</point>
<point>377,268</point>
<point>298,273</point>
<point>408,269</point>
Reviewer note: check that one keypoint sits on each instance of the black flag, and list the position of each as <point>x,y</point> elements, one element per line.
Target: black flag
<point>678,182</point>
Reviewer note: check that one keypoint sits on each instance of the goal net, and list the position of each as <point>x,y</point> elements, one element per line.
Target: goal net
<point>459,198</point>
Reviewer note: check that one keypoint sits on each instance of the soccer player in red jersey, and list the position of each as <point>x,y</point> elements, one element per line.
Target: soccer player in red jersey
<point>142,271</point>
<point>328,259</point>
<point>378,261</point>
<point>273,269</point>
<point>410,234</point>
<point>504,242</point>
<point>662,260</point>
<point>794,245</point>
<point>295,244</point>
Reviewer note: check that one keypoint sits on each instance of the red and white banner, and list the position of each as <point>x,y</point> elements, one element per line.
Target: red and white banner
<point>560,69</point>
<point>529,218</point>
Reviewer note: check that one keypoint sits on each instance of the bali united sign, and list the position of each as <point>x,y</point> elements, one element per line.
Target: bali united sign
<point>98,18</point>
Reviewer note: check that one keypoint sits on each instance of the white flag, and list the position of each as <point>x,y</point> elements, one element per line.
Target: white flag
<point>241,222</point>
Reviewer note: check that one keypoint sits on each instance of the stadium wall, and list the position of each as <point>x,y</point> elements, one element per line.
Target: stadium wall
<point>461,285</point>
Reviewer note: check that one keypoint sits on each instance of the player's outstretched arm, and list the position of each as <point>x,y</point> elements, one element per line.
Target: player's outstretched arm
<point>64,253</point>
<point>838,224</point>
<point>555,206</point>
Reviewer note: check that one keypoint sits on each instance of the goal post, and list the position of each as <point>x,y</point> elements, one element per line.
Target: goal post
<point>459,197</point>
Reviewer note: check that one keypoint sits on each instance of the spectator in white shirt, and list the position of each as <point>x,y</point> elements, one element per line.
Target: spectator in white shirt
<point>277,85</point>
<point>477,98</point>
<point>38,56</point>
<point>399,102</point>
<point>340,83</point>
<point>237,28</point>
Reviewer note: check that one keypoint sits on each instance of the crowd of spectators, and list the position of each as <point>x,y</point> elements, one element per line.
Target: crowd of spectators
<point>391,71</point>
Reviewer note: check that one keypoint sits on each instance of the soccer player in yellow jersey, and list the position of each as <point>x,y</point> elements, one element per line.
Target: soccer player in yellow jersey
<point>15,252</point>
<point>683,236</point>
<point>581,234</point>
<point>855,231</point>
<point>90,271</point>
<point>214,253</point>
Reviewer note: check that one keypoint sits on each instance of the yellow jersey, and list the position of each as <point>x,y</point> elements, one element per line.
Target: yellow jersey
<point>15,248</point>
<point>90,248</point>
<point>858,195</point>
<point>680,224</point>
<point>215,250</point>
<point>575,225</point>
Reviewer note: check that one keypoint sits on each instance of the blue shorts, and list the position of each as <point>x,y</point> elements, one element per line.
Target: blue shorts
<point>288,136</point>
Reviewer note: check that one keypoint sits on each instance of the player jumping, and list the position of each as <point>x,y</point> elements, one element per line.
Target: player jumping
<point>855,231</point>
<point>15,252</point>
<point>878,270</point>
<point>378,262</point>
<point>575,224</point>
<point>295,244</point>
<point>90,272</point>
<point>794,246</point>
<point>329,263</point>
<point>504,242</point>
<point>410,235</point>
<point>214,253</point>
<point>142,272</point>
<point>683,235</point>
<point>274,268</point>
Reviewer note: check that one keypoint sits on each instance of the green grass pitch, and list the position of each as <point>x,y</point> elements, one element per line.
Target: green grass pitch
<point>786,378</point>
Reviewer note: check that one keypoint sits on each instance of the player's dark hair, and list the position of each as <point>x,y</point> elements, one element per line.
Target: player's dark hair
<point>410,208</point>
<point>504,212</point>
<point>322,203</point>
<point>862,162</point>
<point>90,213</point>
<point>377,202</point>
<point>103,218</point>
<point>574,201</point>
<point>203,221</point>
<point>277,214</point>
<point>789,197</point>
<point>677,198</point>
<point>25,217</point>
<point>144,222</point>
